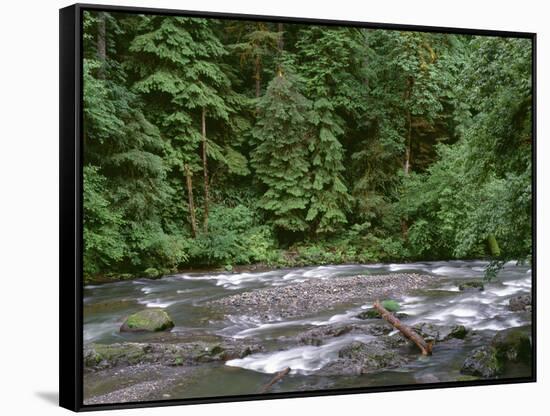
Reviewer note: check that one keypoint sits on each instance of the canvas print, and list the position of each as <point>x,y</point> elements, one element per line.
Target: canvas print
<point>274,207</point>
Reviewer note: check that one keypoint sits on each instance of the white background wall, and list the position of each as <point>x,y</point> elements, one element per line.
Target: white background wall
<point>29,206</point>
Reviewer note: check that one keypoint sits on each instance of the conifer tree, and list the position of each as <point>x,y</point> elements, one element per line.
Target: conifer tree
<point>281,157</point>
<point>185,81</point>
<point>330,62</point>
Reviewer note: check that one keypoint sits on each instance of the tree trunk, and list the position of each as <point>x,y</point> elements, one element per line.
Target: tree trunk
<point>407,164</point>
<point>407,161</point>
<point>366,59</point>
<point>280,41</point>
<point>280,47</point>
<point>101,43</point>
<point>257,75</point>
<point>191,202</point>
<point>205,170</point>
<point>275,379</point>
<point>425,347</point>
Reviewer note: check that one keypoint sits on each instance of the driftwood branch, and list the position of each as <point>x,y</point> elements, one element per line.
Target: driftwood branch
<point>275,379</point>
<point>425,347</point>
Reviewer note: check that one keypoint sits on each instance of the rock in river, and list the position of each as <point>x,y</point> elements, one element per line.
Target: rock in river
<point>472,285</point>
<point>103,356</point>
<point>513,344</point>
<point>482,362</point>
<point>520,303</point>
<point>148,320</point>
<point>508,346</point>
<point>361,358</point>
<point>440,332</point>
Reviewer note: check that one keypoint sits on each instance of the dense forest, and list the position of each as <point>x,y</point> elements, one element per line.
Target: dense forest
<point>216,143</point>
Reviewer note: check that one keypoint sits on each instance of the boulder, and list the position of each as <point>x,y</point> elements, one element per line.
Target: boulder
<point>150,320</point>
<point>361,358</point>
<point>513,344</point>
<point>317,336</point>
<point>520,303</point>
<point>439,333</point>
<point>390,305</point>
<point>471,285</point>
<point>482,362</point>
<point>369,314</point>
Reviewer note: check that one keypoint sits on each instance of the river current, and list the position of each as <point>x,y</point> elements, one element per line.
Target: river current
<point>184,297</point>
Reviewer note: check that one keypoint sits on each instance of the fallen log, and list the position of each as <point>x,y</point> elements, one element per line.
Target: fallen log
<point>425,347</point>
<point>275,379</point>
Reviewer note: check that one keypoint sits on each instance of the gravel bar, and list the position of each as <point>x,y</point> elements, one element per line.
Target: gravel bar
<point>316,295</point>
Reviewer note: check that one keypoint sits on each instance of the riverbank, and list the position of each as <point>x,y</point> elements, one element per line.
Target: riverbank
<point>286,260</point>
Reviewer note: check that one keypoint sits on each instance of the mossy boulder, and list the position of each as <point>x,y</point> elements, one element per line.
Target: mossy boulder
<point>513,344</point>
<point>104,356</point>
<point>482,362</point>
<point>471,285</point>
<point>390,305</point>
<point>369,314</point>
<point>150,320</point>
<point>362,358</point>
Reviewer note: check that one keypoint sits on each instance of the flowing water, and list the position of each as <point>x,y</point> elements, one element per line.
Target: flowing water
<point>184,297</point>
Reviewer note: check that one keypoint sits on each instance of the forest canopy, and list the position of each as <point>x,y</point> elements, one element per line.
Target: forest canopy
<point>215,143</point>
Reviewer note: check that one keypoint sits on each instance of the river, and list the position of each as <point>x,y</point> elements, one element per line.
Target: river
<point>185,298</point>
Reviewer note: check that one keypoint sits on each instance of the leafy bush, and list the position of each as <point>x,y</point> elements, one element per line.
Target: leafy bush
<point>233,238</point>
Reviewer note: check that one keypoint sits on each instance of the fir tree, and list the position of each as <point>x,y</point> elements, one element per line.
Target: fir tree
<point>281,157</point>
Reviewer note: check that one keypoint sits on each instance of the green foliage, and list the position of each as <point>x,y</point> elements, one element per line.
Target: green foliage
<point>323,145</point>
<point>104,245</point>
<point>234,237</point>
<point>477,189</point>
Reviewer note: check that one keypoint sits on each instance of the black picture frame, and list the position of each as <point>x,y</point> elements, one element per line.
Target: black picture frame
<point>70,219</point>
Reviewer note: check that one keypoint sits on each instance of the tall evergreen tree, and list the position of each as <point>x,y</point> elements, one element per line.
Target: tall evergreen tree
<point>281,157</point>
<point>188,87</point>
<point>330,62</point>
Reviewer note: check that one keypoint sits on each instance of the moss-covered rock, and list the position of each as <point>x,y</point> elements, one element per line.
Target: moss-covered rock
<point>361,358</point>
<point>373,314</point>
<point>103,356</point>
<point>458,332</point>
<point>482,362</point>
<point>471,285</point>
<point>148,320</point>
<point>112,355</point>
<point>390,305</point>
<point>369,314</point>
<point>513,344</point>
